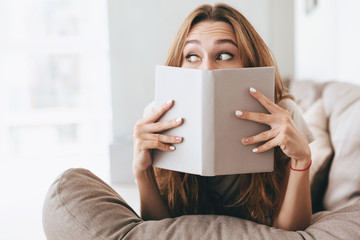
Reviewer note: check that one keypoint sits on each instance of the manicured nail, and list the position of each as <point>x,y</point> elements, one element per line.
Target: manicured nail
<point>245,140</point>
<point>252,89</point>
<point>239,113</point>
<point>172,148</point>
<point>178,120</point>
<point>169,102</point>
<point>178,139</point>
<point>255,150</point>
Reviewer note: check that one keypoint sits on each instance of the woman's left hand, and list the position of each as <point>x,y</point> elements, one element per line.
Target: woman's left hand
<point>283,131</point>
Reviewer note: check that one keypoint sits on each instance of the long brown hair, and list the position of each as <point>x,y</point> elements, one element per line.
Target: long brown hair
<point>259,193</point>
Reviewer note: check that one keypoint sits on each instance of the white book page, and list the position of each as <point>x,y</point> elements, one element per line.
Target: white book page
<point>184,87</point>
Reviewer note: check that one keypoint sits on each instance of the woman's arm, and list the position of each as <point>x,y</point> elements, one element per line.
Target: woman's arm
<point>295,208</point>
<point>145,138</point>
<point>295,205</point>
<point>152,206</point>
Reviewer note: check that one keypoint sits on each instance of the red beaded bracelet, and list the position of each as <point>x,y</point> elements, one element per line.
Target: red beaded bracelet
<point>300,170</point>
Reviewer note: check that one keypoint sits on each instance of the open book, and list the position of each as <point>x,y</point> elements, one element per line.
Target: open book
<point>207,101</point>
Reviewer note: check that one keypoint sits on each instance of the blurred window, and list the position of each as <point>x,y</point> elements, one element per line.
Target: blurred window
<point>54,80</point>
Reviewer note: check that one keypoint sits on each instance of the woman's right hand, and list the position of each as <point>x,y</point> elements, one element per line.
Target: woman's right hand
<point>146,137</point>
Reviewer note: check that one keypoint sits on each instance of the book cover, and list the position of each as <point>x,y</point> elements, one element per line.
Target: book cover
<point>207,101</point>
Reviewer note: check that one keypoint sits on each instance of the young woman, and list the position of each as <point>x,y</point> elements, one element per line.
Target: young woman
<point>220,37</point>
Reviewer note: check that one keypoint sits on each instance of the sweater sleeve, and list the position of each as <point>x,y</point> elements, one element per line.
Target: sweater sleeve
<point>296,115</point>
<point>149,108</point>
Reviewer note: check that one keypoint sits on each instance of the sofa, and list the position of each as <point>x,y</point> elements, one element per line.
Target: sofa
<point>79,205</point>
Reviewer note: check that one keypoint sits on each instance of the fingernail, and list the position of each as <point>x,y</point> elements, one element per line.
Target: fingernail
<point>178,120</point>
<point>172,148</point>
<point>169,102</point>
<point>255,150</point>
<point>245,140</point>
<point>252,89</point>
<point>239,113</point>
<point>179,139</point>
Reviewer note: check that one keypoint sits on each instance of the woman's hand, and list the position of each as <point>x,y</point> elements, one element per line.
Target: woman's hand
<point>283,132</point>
<point>146,137</point>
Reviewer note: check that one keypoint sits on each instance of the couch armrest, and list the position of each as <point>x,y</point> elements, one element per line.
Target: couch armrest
<point>343,223</point>
<point>81,206</point>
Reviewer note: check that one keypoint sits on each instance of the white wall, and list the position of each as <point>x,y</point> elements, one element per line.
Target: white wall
<point>315,41</point>
<point>348,40</point>
<point>281,31</point>
<point>327,41</point>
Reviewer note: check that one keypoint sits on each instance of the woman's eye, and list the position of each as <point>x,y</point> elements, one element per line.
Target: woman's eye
<point>224,56</point>
<point>192,58</point>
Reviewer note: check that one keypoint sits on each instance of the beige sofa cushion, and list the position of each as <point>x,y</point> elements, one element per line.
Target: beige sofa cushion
<point>306,92</point>
<point>321,149</point>
<point>342,106</point>
<point>81,206</point>
<point>321,153</point>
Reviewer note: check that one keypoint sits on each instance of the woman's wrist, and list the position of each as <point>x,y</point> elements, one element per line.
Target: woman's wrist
<point>300,165</point>
<point>144,173</point>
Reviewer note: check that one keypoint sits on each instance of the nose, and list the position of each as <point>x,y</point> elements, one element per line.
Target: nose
<point>207,64</point>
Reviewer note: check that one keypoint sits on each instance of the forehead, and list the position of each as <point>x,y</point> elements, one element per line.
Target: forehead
<point>212,29</point>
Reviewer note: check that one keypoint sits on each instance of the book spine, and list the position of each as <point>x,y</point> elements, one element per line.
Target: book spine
<point>208,120</point>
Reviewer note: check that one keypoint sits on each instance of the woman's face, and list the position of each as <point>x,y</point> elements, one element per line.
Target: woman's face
<point>211,45</point>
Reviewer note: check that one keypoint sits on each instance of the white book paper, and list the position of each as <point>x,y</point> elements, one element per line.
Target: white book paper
<point>207,101</point>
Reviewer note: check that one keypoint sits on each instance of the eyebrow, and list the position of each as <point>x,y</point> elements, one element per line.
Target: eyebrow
<point>219,41</point>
